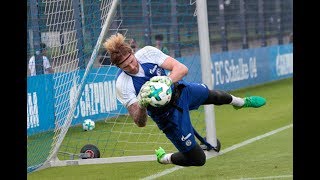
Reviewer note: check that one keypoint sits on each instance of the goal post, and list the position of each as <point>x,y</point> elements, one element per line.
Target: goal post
<point>206,68</point>
<point>80,87</point>
<point>62,20</point>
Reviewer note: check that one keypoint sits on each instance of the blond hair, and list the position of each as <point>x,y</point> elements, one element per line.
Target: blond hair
<point>117,48</point>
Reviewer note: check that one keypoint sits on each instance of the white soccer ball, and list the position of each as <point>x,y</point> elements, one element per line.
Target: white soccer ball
<point>160,94</point>
<point>88,125</point>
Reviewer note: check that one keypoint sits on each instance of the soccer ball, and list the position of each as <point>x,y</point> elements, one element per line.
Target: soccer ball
<point>88,125</point>
<point>160,94</point>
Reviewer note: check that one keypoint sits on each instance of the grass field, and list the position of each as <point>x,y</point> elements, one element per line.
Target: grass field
<point>270,157</point>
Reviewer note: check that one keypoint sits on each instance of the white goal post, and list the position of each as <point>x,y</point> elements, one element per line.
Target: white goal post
<point>80,87</point>
<point>205,54</point>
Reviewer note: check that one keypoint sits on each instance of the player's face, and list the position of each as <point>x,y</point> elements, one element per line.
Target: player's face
<point>129,64</point>
<point>158,42</point>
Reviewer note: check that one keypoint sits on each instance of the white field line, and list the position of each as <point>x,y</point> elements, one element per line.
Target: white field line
<point>266,177</point>
<point>210,155</point>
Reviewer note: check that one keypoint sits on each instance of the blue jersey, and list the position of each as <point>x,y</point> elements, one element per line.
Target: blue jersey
<point>174,122</point>
<point>128,85</point>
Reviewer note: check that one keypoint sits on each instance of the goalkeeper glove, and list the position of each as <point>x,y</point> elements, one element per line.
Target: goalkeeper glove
<point>163,79</point>
<point>143,99</point>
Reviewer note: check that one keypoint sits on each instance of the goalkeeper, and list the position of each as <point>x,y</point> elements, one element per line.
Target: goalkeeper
<point>149,64</point>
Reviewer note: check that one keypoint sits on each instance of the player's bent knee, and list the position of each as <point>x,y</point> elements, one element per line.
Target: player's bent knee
<point>201,161</point>
<point>197,155</point>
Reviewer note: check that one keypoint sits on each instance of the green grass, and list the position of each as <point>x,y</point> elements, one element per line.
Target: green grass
<point>234,126</point>
<point>270,156</point>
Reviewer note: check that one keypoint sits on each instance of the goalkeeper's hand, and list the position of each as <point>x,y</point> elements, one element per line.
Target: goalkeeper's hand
<point>143,99</point>
<point>163,79</point>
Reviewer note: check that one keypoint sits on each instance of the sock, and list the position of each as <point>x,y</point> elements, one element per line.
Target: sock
<point>166,159</point>
<point>236,101</point>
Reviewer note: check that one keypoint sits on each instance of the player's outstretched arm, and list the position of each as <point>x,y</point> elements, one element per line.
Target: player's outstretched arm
<point>178,70</point>
<point>139,114</point>
<point>138,110</point>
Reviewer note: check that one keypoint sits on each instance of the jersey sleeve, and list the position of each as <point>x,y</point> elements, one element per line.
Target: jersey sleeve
<point>126,93</point>
<point>153,55</point>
